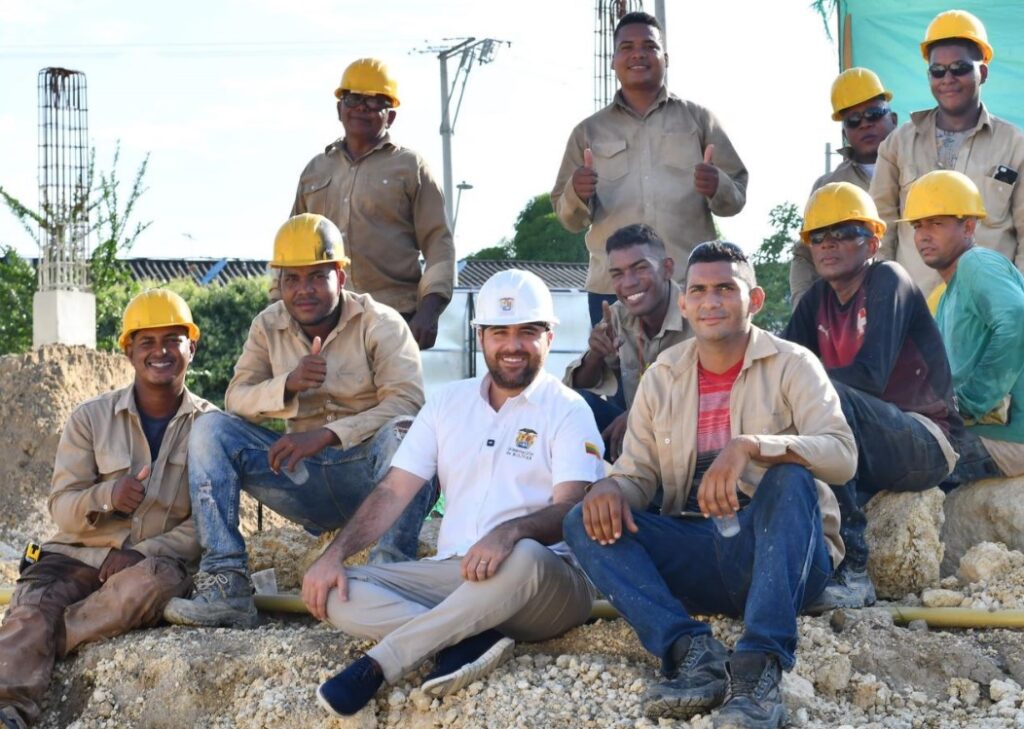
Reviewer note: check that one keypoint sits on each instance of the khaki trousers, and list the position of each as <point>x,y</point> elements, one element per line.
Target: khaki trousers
<point>60,604</point>
<point>417,608</point>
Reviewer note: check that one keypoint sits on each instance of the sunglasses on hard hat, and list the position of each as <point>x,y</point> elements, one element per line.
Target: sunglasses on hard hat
<point>869,115</point>
<point>374,102</point>
<point>839,234</point>
<point>957,68</point>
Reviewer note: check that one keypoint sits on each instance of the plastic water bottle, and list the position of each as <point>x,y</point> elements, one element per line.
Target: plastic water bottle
<point>298,476</point>
<point>728,525</point>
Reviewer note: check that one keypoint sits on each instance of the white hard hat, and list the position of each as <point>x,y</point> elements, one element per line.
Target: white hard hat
<point>514,297</point>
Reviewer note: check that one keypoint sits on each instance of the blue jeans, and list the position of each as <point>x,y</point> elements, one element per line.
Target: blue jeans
<point>895,453</point>
<point>675,567</point>
<point>975,463</point>
<point>228,455</point>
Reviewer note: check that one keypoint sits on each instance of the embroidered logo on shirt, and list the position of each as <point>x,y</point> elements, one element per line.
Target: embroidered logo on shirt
<point>862,321</point>
<point>525,439</point>
<point>506,303</point>
<point>591,449</point>
<point>824,330</point>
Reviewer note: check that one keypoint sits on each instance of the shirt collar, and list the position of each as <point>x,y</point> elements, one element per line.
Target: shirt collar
<point>126,402</point>
<point>527,395</point>
<point>279,318</point>
<point>338,145</point>
<point>759,346</point>
<point>925,120</point>
<point>661,100</point>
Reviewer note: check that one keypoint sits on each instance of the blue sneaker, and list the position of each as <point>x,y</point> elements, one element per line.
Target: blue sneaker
<point>467,661</point>
<point>352,689</point>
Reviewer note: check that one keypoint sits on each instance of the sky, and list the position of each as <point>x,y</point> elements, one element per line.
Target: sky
<point>231,99</point>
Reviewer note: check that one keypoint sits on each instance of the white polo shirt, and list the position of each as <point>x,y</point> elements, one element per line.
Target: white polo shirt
<point>497,466</point>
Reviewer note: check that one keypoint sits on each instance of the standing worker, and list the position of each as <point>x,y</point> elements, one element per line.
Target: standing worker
<point>861,103</point>
<point>648,157</point>
<point>958,134</point>
<point>386,203</point>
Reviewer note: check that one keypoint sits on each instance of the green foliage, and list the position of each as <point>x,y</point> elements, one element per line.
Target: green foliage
<point>539,237</point>
<point>826,9</point>
<point>17,285</point>
<point>771,263</point>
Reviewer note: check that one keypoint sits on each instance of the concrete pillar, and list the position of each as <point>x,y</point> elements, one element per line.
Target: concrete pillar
<point>64,317</point>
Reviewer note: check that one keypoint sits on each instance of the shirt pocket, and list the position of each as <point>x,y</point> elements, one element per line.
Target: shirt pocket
<point>174,495</point>
<point>908,176</point>
<point>112,464</point>
<point>611,159</point>
<point>315,192</point>
<point>996,196</point>
<point>680,150</point>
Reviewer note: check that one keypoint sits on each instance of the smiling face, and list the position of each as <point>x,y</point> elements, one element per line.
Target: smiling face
<point>640,277</point>
<point>639,61</point>
<point>311,294</point>
<point>718,303</point>
<point>957,95</point>
<point>363,123</point>
<point>161,356</point>
<point>515,354</point>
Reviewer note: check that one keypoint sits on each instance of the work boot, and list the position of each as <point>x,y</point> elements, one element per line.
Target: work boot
<point>698,681</point>
<point>352,689</point>
<point>848,588</point>
<point>468,660</point>
<point>221,599</point>
<point>754,700</point>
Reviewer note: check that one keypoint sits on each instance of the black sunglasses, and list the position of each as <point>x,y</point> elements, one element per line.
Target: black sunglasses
<point>957,68</point>
<point>871,115</point>
<point>373,103</point>
<point>840,234</point>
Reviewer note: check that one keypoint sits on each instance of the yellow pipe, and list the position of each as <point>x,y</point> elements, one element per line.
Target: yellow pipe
<point>950,617</point>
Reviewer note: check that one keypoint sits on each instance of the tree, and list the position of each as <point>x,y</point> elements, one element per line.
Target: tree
<point>17,285</point>
<point>771,264</point>
<point>539,236</point>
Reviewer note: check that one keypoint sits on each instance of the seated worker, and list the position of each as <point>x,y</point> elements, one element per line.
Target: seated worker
<point>120,500</point>
<point>980,318</point>
<point>344,372</point>
<point>738,425</point>
<point>861,103</point>
<point>633,331</point>
<point>513,451</point>
<point>870,326</point>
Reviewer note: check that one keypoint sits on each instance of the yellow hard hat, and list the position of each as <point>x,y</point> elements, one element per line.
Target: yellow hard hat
<point>957,24</point>
<point>156,308</point>
<point>943,192</point>
<point>308,240</point>
<point>368,76</point>
<point>855,86</point>
<point>837,202</point>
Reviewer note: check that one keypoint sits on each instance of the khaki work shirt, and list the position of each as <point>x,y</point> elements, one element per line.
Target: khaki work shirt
<point>782,396</point>
<point>637,351</point>
<point>389,208</point>
<point>644,166</point>
<point>910,152</point>
<point>802,273</point>
<point>102,441</point>
<point>373,372</point>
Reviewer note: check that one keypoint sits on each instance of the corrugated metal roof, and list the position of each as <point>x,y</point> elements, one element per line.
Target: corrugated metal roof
<point>472,274</point>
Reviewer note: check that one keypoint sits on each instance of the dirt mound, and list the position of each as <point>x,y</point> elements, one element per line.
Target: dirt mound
<point>39,390</point>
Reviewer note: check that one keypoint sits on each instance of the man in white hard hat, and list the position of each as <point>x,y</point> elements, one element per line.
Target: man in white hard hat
<point>386,203</point>
<point>957,134</point>
<point>861,103</point>
<point>513,451</point>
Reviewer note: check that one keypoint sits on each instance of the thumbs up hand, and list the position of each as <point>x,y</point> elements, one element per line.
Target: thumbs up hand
<point>129,492</point>
<point>310,373</point>
<point>584,179</point>
<point>705,174</point>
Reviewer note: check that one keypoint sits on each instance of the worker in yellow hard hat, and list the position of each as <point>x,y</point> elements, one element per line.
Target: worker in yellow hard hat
<point>386,203</point>
<point>958,134</point>
<point>343,372</point>
<point>125,538</point>
<point>870,326</point>
<point>861,103</point>
<point>980,317</point>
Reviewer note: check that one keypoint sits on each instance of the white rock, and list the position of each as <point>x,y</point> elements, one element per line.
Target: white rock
<point>903,535</point>
<point>999,690</point>
<point>941,598</point>
<point>984,561</point>
<point>983,511</point>
<point>797,691</point>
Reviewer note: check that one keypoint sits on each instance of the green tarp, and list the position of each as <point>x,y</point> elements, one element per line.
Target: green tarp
<point>885,36</point>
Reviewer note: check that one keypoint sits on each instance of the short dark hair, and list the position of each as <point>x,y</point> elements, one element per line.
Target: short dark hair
<point>636,17</point>
<point>713,251</point>
<point>972,48</point>
<point>637,234</point>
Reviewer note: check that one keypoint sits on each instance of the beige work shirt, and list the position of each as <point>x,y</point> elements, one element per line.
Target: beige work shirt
<point>910,152</point>
<point>102,441</point>
<point>644,166</point>
<point>373,371</point>
<point>389,208</point>
<point>802,273</point>
<point>782,396</point>
<point>637,351</point>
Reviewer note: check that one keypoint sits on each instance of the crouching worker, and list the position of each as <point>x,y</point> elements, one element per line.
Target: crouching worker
<point>743,427</point>
<point>344,372</point>
<point>120,500</point>
<point>513,451</point>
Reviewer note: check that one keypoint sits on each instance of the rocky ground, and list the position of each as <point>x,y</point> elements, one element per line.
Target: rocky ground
<point>854,669</point>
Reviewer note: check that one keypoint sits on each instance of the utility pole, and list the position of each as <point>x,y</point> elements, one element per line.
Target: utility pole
<point>469,50</point>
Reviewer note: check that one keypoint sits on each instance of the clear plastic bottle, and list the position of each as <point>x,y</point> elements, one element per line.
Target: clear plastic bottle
<point>298,476</point>
<point>728,525</point>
